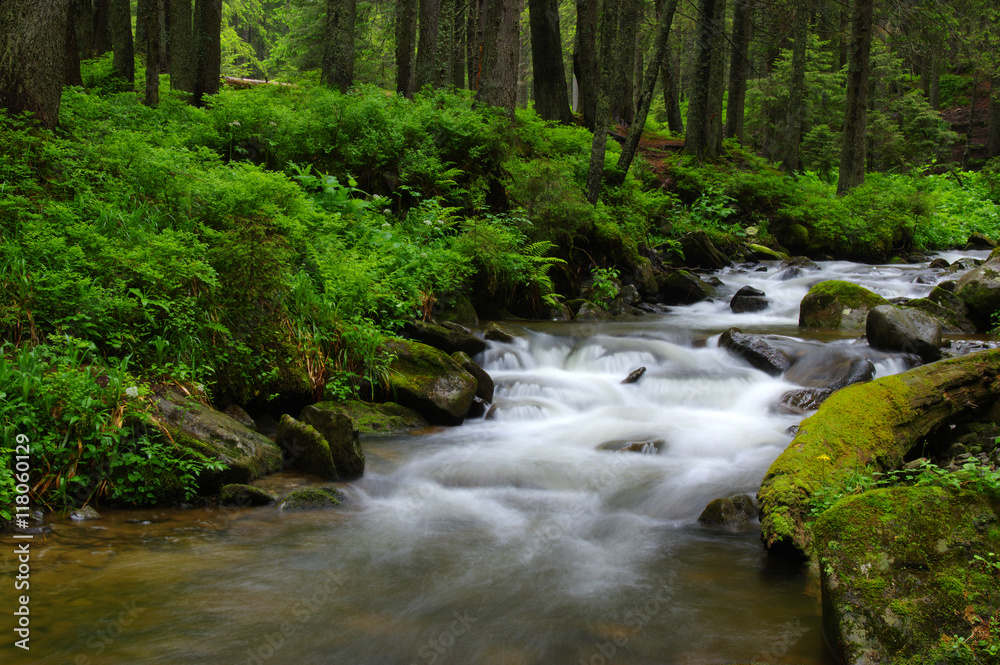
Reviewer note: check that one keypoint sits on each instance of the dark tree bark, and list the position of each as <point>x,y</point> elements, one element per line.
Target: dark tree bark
<point>609,26</point>
<point>102,26</point>
<point>458,47</point>
<point>501,55</point>
<point>32,54</point>
<point>584,60</point>
<point>854,145</point>
<point>474,26</point>
<point>717,82</point>
<point>646,93</point>
<point>208,48</point>
<point>622,94</point>
<point>993,142</point>
<point>82,17</point>
<point>444,62</point>
<point>162,17</point>
<point>967,152</point>
<point>153,54</point>
<point>796,91</point>
<point>121,42</point>
<point>551,96</point>
<point>696,140</point>
<point>142,23</point>
<point>934,87</point>
<point>338,46</point>
<point>71,59</point>
<point>739,65</point>
<point>430,19</point>
<point>182,46</point>
<point>406,41</point>
<point>672,96</point>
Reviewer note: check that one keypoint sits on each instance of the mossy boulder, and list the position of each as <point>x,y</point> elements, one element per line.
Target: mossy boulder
<point>447,338</point>
<point>762,253</point>
<point>701,252</point>
<point>591,312</point>
<point>305,448</point>
<point>979,289</point>
<point>460,311</point>
<point>683,288</point>
<point>839,305</point>
<point>909,330</point>
<point>245,453</point>
<point>430,382</point>
<point>484,382</point>
<point>340,435</point>
<point>874,423</point>
<point>735,511</point>
<point>311,498</point>
<point>951,320</point>
<point>243,496</point>
<point>899,574</point>
<point>371,419</point>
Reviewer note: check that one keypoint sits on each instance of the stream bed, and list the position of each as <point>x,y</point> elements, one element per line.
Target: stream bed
<point>529,538</point>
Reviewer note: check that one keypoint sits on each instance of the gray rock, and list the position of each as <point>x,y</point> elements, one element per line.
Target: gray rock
<point>429,381</point>
<point>243,496</point>
<point>830,368</point>
<point>340,435</point>
<point>938,264</point>
<point>979,289</point>
<point>305,448</point>
<point>246,454</point>
<point>978,241</point>
<point>447,339</point>
<point>908,330</point>
<point>804,399</point>
<point>484,382</point>
<point>701,252</point>
<point>749,299</point>
<point>497,332</point>
<point>634,375</point>
<point>590,312</point>
<point>683,288</point>
<point>755,351</point>
<point>735,511</point>
<point>312,498</point>
<point>236,412</point>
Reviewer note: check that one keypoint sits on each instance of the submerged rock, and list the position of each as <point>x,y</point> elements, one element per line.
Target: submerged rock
<point>839,305</point>
<point>908,330</point>
<point>749,299</point>
<point>755,351</point>
<point>904,569</point>
<point>243,496</point>
<point>736,511</point>
<point>341,437</point>
<point>312,498</point>
<point>430,382</point>
<point>305,448</point>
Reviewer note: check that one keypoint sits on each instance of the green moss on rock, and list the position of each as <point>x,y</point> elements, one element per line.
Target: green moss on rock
<point>243,496</point>
<point>305,448</point>
<point>429,381</point>
<point>371,419</point>
<point>311,498</point>
<point>838,304</point>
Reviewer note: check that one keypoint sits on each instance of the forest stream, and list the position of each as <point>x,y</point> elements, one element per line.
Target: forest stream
<point>526,538</point>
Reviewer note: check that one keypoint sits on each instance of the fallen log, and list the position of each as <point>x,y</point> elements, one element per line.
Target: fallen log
<point>874,423</point>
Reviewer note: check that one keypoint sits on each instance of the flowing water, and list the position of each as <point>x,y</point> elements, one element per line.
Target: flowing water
<point>527,538</point>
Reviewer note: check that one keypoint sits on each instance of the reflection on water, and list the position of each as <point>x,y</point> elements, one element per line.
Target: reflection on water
<point>526,538</point>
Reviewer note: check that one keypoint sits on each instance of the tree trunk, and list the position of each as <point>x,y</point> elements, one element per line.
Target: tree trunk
<point>797,91</point>
<point>82,17</point>
<point>672,96</point>
<point>406,40</point>
<point>854,145</point>
<point>102,26</point>
<point>584,60</point>
<point>208,47</point>
<point>717,82</point>
<point>153,54</point>
<point>551,97</point>
<point>458,46</point>
<point>71,59</point>
<point>121,42</point>
<point>934,93</point>
<point>430,18</point>
<point>646,94</point>
<point>338,45</point>
<point>622,95</point>
<point>32,50</point>
<point>444,64</point>
<point>142,24</point>
<point>696,139</point>
<point>162,17</point>
<point>609,26</point>
<point>474,41</point>
<point>993,142</point>
<point>739,65</point>
<point>967,152</point>
<point>501,54</point>
<point>182,47</point>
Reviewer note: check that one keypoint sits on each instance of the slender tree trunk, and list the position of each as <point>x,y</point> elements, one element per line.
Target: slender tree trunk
<point>153,54</point>
<point>672,96</point>
<point>32,57</point>
<point>121,41</point>
<point>208,47</point>
<point>162,17</point>
<point>102,26</point>
<point>458,47</point>
<point>474,41</point>
<point>142,24</point>
<point>738,68</point>
<point>797,90</point>
<point>854,145</point>
<point>717,82</point>
<point>182,46</point>
<point>646,93</point>
<point>551,98</point>
<point>967,153</point>
<point>82,17</point>
<point>71,60</point>
<point>444,64</point>
<point>430,18</point>
<point>338,47</point>
<point>622,95</point>
<point>584,60</point>
<point>406,40</point>
<point>696,140</point>
<point>993,142</point>
<point>501,55</point>
<point>609,26</point>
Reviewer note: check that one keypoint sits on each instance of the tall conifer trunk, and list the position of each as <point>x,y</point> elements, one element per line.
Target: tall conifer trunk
<point>739,65</point>
<point>551,95</point>
<point>153,54</point>
<point>854,145</point>
<point>406,41</point>
<point>32,53</point>
<point>208,48</point>
<point>609,26</point>
<point>585,59</point>
<point>182,48</point>
<point>121,41</point>
<point>796,91</point>
<point>338,45</point>
<point>501,55</point>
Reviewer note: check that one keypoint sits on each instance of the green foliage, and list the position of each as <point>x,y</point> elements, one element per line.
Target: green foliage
<point>603,286</point>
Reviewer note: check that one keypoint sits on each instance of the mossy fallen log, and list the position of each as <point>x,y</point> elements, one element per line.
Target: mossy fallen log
<point>874,423</point>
